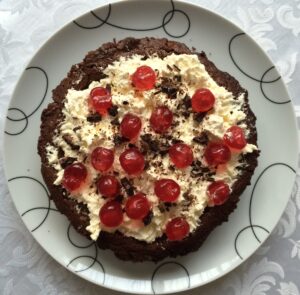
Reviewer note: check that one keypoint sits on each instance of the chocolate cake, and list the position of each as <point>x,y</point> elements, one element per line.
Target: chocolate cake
<point>147,147</point>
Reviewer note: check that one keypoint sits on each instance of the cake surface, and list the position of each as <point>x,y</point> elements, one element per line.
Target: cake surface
<point>70,130</point>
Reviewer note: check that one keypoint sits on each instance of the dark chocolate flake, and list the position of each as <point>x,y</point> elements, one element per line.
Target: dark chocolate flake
<point>186,114</point>
<point>161,207</point>
<point>148,218</point>
<point>201,139</point>
<point>176,68</point>
<point>127,185</point>
<point>175,141</point>
<point>93,118</point>
<point>115,121</point>
<point>76,128</point>
<point>125,102</point>
<point>113,111</point>
<point>198,117</point>
<point>169,68</point>
<point>66,161</point>
<point>210,179</point>
<point>108,88</point>
<point>60,153</point>
<point>69,140</point>
<point>178,78</point>
<point>169,87</point>
<point>118,140</point>
<point>152,144</point>
<point>119,198</point>
<point>187,102</point>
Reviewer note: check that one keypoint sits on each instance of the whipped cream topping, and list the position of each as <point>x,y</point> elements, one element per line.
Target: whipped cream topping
<point>190,74</point>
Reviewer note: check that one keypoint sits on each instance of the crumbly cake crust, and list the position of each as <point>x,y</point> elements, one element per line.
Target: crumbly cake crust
<point>127,248</point>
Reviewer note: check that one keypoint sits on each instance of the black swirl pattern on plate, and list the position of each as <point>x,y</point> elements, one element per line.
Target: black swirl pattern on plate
<point>251,225</point>
<point>24,117</point>
<point>169,15</point>
<point>47,208</point>
<point>175,264</point>
<point>260,80</point>
<point>94,260</point>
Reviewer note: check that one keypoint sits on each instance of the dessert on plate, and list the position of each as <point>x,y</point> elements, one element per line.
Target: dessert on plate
<point>147,147</point>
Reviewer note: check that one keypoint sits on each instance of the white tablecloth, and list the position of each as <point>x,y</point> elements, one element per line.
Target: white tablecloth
<point>26,269</point>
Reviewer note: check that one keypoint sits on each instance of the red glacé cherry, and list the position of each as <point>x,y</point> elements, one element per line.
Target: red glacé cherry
<point>132,161</point>
<point>137,206</point>
<point>181,155</point>
<point>177,229</point>
<point>111,214</point>
<point>161,119</point>
<point>102,158</point>
<point>108,186</point>
<point>167,190</point>
<point>144,78</point>
<point>234,137</point>
<point>202,100</point>
<point>130,126</point>
<point>218,192</point>
<point>100,100</point>
<point>74,176</point>
<point>217,153</point>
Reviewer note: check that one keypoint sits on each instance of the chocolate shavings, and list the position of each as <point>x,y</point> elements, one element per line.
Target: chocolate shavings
<point>148,218</point>
<point>113,111</point>
<point>69,140</point>
<point>66,161</point>
<point>201,139</point>
<point>127,185</point>
<point>93,118</point>
<point>118,140</point>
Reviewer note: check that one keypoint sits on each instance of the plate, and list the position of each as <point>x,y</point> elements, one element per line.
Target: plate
<point>232,51</point>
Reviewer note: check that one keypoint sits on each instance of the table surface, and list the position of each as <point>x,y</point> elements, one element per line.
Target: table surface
<point>25,268</point>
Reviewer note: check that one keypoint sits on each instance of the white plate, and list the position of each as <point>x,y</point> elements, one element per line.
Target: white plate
<point>233,51</point>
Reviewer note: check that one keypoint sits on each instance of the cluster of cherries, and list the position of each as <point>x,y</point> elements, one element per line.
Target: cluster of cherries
<point>137,207</point>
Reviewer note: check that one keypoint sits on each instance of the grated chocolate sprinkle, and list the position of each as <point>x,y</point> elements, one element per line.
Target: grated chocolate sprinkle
<point>127,185</point>
<point>115,122</point>
<point>119,198</point>
<point>113,111</point>
<point>76,128</point>
<point>93,118</point>
<point>176,68</point>
<point>69,140</point>
<point>152,144</point>
<point>148,218</point>
<point>201,139</point>
<point>118,140</point>
<point>198,117</point>
<point>66,161</point>
<point>169,87</point>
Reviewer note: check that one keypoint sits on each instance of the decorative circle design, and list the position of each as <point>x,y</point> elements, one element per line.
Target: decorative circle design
<point>175,264</point>
<point>73,243</point>
<point>166,20</point>
<point>48,209</point>
<point>24,116</point>
<point>94,261</point>
<point>251,225</point>
<point>261,81</point>
<point>17,120</point>
<point>241,231</point>
<point>262,89</point>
